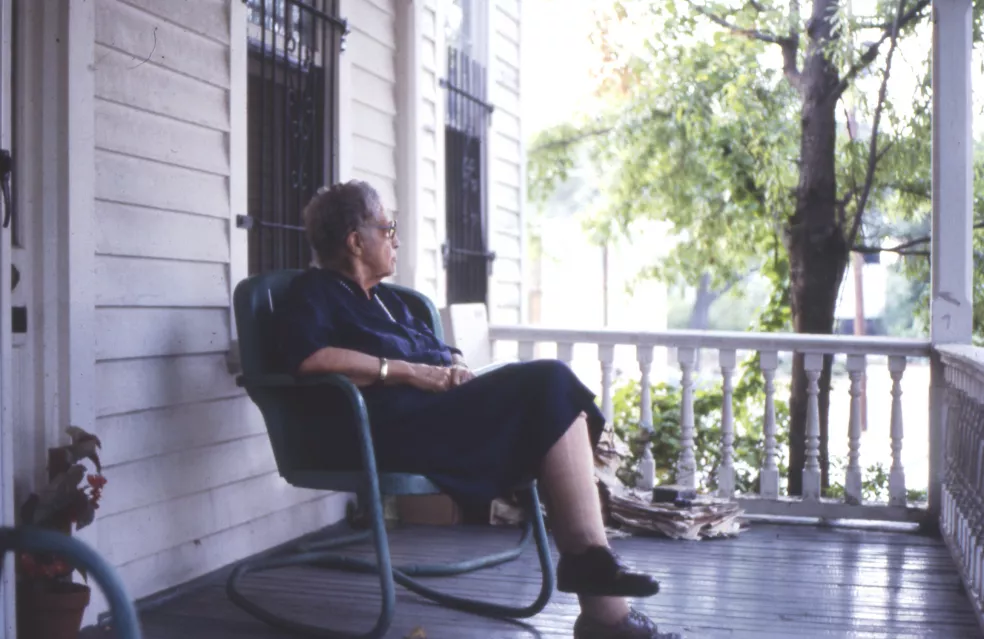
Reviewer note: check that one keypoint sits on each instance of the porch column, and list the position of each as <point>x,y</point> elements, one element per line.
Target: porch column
<point>952,259</point>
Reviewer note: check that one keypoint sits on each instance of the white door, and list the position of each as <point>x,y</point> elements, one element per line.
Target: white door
<point>8,624</point>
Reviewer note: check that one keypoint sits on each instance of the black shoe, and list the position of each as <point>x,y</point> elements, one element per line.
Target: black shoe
<point>598,572</point>
<point>634,626</point>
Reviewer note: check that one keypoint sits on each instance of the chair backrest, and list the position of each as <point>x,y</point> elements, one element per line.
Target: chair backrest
<point>256,302</point>
<point>257,299</point>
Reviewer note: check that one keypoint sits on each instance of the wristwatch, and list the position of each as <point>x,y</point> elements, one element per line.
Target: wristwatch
<point>383,368</point>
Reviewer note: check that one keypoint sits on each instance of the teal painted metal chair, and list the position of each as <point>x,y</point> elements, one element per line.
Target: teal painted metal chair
<point>80,555</point>
<point>256,301</point>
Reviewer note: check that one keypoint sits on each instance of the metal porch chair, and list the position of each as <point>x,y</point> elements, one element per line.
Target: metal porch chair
<point>79,555</point>
<point>256,301</point>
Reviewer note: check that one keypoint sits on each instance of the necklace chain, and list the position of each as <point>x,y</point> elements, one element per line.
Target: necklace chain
<point>376,297</point>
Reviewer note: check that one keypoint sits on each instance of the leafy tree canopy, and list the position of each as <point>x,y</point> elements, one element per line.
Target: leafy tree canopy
<point>697,123</point>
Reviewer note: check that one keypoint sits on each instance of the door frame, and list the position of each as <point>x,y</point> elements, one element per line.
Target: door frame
<point>7,508</point>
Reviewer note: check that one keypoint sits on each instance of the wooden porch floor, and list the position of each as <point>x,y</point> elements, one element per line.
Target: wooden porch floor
<point>776,581</point>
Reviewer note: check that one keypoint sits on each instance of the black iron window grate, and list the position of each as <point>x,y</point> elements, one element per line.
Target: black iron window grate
<point>467,115</point>
<point>294,46</point>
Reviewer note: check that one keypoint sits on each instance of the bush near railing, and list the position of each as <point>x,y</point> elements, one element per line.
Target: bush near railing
<point>748,406</point>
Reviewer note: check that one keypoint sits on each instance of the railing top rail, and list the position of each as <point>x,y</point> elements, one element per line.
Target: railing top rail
<point>966,357</point>
<point>720,340</point>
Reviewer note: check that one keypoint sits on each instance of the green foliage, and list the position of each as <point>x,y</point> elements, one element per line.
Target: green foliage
<point>700,127</point>
<point>748,405</point>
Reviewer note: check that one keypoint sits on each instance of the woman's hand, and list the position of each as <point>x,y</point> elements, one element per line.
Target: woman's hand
<point>430,378</point>
<point>461,374</point>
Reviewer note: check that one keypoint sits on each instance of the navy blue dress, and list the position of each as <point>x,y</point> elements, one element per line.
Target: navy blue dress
<point>476,441</point>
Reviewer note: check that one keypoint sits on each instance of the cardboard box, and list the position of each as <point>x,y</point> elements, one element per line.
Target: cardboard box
<point>428,510</point>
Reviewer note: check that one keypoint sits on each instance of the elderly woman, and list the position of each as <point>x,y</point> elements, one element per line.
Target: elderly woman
<point>475,437</point>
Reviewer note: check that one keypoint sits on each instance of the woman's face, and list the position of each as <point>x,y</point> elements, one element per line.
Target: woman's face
<point>379,245</point>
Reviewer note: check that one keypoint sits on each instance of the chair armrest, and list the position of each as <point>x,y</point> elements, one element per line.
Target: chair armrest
<point>283,380</point>
<point>352,394</point>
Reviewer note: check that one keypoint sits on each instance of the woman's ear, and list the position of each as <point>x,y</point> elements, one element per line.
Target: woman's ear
<point>354,243</point>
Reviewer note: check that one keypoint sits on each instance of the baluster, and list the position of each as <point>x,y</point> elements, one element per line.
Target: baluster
<point>687,464</point>
<point>726,472</point>
<point>856,365</point>
<point>813,363</point>
<point>896,476</point>
<point>565,352</point>
<point>769,475</point>
<point>526,351</point>
<point>606,355</point>
<point>647,465</point>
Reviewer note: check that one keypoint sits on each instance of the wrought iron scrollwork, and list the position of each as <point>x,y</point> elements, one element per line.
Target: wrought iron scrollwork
<point>294,46</point>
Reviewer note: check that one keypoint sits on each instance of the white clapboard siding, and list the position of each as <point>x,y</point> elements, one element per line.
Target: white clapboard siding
<point>127,333</point>
<point>128,131</point>
<point>208,18</point>
<point>149,482</point>
<point>130,180</point>
<point>147,38</point>
<point>177,428</point>
<point>372,49</point>
<point>192,559</point>
<point>139,384</point>
<point>159,90</point>
<point>429,234</point>
<point>163,234</point>
<point>508,170</point>
<point>124,281</point>
<point>127,536</point>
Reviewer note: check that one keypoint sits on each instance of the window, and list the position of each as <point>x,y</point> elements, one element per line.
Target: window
<point>294,47</point>
<point>467,113</point>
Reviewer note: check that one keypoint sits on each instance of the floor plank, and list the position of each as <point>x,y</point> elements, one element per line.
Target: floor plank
<point>772,581</point>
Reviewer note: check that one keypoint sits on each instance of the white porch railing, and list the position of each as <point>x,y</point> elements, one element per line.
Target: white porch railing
<point>962,512</point>
<point>896,353</point>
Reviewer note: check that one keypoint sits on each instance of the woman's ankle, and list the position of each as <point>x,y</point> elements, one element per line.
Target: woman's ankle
<point>608,611</point>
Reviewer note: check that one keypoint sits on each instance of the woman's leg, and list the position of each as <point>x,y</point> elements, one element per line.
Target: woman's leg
<point>575,510</point>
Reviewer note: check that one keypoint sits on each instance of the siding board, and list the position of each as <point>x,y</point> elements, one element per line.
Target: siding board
<point>149,136</point>
<point>205,553</point>
<point>133,231</point>
<point>159,90</point>
<point>207,17</point>
<point>144,282</point>
<point>131,385</point>
<point>151,40</point>
<point>141,435</point>
<point>129,180</point>
<point>127,333</point>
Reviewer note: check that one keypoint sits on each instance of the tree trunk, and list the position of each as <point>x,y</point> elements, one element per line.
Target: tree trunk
<point>700,314</point>
<point>814,235</point>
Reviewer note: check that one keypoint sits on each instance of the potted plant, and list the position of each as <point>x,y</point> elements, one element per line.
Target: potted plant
<point>49,603</point>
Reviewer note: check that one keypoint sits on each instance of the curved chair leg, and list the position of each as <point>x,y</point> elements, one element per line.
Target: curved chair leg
<point>402,575</point>
<point>322,557</point>
<point>318,554</point>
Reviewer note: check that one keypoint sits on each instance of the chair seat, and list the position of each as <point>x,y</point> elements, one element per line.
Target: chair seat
<point>353,482</point>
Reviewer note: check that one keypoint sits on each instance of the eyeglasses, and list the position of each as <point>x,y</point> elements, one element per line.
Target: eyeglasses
<point>389,230</point>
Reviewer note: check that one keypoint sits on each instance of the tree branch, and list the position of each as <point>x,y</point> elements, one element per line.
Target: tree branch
<point>574,139</point>
<point>891,31</point>
<point>905,247</point>
<point>789,44</point>
<point>873,155</point>
<point>722,22</point>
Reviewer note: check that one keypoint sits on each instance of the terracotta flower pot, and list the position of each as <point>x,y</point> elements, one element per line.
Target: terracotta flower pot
<point>50,610</point>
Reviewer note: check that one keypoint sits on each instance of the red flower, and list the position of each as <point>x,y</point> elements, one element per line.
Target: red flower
<point>96,481</point>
